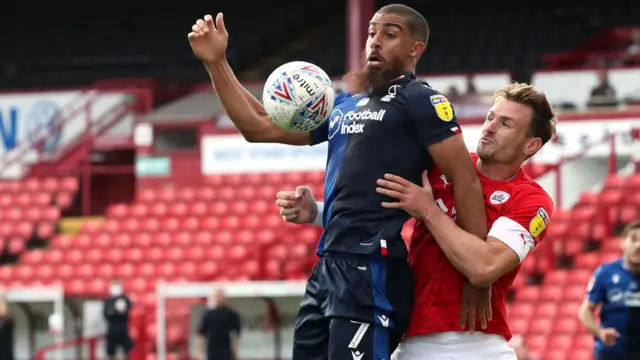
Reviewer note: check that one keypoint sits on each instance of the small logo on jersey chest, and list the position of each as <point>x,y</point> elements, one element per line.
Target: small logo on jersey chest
<point>499,197</point>
<point>391,93</point>
<point>362,102</point>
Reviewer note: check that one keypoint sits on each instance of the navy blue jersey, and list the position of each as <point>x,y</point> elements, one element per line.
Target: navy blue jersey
<point>616,289</point>
<point>370,135</point>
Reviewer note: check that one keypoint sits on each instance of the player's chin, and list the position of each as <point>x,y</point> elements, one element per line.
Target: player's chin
<point>634,261</point>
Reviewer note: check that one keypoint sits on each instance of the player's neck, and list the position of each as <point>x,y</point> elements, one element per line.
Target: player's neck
<point>497,171</point>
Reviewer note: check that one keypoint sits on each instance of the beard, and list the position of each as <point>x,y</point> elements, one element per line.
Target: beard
<point>376,80</point>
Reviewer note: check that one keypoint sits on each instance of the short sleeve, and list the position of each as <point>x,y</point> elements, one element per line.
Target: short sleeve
<point>204,323</point>
<point>431,115</point>
<point>321,133</point>
<point>595,288</point>
<point>524,224</point>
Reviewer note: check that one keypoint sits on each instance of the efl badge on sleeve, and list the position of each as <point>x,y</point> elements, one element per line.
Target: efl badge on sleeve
<point>539,223</point>
<point>442,106</point>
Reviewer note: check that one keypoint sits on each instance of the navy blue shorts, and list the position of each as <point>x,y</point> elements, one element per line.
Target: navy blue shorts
<point>353,308</point>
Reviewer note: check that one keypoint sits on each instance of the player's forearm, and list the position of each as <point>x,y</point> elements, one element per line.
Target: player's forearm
<point>588,319</point>
<point>243,109</point>
<point>469,204</point>
<point>471,255</point>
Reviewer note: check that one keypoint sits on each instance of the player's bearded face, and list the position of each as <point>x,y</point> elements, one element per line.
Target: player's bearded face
<point>374,78</point>
<point>631,248</point>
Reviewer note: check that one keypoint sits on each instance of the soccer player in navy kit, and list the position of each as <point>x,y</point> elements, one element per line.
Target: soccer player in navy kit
<point>358,300</point>
<point>614,287</point>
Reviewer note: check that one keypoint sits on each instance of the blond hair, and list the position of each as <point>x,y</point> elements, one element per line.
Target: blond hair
<point>543,121</point>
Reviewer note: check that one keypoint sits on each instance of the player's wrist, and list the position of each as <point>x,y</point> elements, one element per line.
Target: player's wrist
<point>429,213</point>
<point>215,64</point>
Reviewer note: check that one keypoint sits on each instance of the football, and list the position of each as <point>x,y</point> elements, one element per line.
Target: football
<point>298,96</point>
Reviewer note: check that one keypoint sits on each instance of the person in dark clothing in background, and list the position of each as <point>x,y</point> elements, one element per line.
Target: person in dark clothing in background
<point>220,327</point>
<point>6,332</point>
<point>116,313</point>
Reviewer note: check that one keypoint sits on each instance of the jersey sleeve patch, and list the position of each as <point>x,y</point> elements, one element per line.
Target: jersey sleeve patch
<point>539,223</point>
<point>514,235</point>
<point>432,124</point>
<point>443,107</point>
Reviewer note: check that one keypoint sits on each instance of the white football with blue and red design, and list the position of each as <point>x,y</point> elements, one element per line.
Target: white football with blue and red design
<point>298,96</point>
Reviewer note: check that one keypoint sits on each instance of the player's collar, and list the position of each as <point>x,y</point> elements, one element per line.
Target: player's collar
<point>407,76</point>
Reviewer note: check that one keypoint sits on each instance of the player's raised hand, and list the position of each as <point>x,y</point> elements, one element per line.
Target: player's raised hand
<point>609,336</point>
<point>476,303</point>
<point>412,198</point>
<point>298,207</point>
<point>208,39</point>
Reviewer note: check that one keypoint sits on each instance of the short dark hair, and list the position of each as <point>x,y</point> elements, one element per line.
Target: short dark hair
<point>633,226</point>
<point>417,24</point>
<point>543,122</point>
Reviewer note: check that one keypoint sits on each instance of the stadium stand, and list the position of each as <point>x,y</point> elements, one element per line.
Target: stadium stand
<point>81,219</point>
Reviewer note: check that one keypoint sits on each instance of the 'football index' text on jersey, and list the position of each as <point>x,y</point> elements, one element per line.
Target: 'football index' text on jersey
<point>344,124</point>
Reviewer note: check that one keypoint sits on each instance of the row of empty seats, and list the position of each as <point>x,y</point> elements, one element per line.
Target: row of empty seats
<point>546,313</point>
<point>30,209</point>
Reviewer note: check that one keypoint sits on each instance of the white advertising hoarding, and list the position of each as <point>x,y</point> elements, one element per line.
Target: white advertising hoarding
<point>223,154</point>
<point>26,117</point>
<point>232,154</point>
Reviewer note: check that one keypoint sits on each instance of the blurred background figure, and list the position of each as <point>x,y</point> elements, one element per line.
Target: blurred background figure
<point>116,313</point>
<point>143,177</point>
<point>219,333</point>
<point>614,289</point>
<point>6,331</point>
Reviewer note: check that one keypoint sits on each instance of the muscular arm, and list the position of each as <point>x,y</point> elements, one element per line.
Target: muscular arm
<point>246,112</point>
<point>482,262</point>
<point>521,226</point>
<point>453,159</point>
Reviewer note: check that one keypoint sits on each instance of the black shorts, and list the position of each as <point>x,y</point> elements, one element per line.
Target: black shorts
<point>118,341</point>
<point>353,308</point>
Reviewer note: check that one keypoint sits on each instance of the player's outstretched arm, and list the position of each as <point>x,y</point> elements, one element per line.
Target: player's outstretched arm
<point>209,43</point>
<point>482,262</point>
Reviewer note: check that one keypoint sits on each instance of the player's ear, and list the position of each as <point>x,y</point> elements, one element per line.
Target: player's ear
<point>418,49</point>
<point>533,145</point>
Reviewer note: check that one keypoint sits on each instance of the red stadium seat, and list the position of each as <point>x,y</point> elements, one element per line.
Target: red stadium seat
<point>587,261</point>
<point>537,342</point>
<point>580,276</point>
<point>540,325</point>
<point>567,325</point>
<point>557,277</point>
<point>546,309</point>
<point>551,292</point>
<point>569,308</point>
<point>555,354</point>
<point>529,293</point>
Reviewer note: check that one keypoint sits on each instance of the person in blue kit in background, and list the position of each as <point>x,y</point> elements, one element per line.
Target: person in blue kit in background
<point>358,300</point>
<point>614,287</point>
